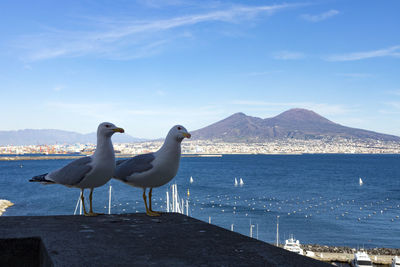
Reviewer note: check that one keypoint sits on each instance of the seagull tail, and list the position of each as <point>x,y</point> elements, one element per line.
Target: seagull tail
<point>41,178</point>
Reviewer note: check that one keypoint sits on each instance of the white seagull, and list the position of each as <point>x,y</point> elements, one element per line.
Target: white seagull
<point>153,169</point>
<point>87,172</point>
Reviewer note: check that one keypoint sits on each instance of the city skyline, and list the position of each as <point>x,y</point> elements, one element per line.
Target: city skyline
<point>147,65</point>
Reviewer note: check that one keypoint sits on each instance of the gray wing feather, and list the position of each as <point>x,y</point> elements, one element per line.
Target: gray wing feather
<point>73,173</point>
<point>119,162</point>
<point>134,165</point>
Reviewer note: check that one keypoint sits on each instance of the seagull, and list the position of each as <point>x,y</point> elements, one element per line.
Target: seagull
<point>87,172</point>
<point>153,169</point>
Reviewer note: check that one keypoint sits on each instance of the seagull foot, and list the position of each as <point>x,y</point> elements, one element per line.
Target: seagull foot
<point>156,212</point>
<point>91,214</point>
<point>152,213</point>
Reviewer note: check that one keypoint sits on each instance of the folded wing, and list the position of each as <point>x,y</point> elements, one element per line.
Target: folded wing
<point>138,164</point>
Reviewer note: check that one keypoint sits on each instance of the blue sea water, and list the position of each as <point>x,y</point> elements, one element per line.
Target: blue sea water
<point>317,197</point>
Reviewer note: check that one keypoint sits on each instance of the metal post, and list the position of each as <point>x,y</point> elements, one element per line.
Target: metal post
<point>167,201</point>
<point>277,230</point>
<point>77,204</point>
<point>173,198</point>
<point>257,231</point>
<point>109,200</point>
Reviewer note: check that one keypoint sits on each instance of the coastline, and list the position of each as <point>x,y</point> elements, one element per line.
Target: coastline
<point>53,157</point>
<point>381,256</point>
<point>4,204</point>
<point>16,157</point>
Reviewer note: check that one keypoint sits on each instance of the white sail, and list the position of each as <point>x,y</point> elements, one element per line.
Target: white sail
<point>236,182</point>
<point>191,179</point>
<point>241,181</point>
<point>361,181</point>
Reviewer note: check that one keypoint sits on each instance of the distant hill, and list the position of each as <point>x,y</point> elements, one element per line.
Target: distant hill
<point>294,123</point>
<point>50,137</point>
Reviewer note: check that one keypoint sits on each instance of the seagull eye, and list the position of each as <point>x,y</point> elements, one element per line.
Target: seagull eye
<point>108,126</point>
<point>179,128</point>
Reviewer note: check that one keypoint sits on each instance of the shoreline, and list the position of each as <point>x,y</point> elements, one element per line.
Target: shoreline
<point>118,156</point>
<point>16,157</point>
<point>4,204</point>
<point>341,254</point>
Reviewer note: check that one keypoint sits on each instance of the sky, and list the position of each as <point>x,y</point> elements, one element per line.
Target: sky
<point>147,65</point>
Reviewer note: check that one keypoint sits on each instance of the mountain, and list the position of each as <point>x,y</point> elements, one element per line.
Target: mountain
<point>50,137</point>
<point>294,123</point>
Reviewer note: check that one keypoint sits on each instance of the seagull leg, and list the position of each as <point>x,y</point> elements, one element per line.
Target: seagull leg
<point>83,203</point>
<point>91,213</point>
<point>148,212</point>
<point>150,194</point>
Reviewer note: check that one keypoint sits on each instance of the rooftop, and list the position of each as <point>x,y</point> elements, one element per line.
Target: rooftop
<point>133,239</point>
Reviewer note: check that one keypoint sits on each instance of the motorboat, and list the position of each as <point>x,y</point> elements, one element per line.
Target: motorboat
<point>361,259</point>
<point>396,261</point>
<point>293,245</point>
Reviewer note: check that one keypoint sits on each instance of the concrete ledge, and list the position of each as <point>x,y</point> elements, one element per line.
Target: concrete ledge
<point>137,240</point>
<point>23,252</point>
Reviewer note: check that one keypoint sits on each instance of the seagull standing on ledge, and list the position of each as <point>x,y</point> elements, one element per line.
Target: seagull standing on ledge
<point>153,169</point>
<point>87,172</point>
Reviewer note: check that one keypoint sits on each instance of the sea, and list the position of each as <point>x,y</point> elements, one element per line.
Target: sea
<point>317,198</point>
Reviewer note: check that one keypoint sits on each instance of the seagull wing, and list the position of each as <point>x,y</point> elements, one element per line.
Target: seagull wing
<point>134,165</point>
<point>73,173</point>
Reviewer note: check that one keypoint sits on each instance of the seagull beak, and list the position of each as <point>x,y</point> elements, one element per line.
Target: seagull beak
<point>119,130</point>
<point>187,135</point>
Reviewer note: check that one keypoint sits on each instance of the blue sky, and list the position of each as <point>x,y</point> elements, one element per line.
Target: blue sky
<point>147,65</point>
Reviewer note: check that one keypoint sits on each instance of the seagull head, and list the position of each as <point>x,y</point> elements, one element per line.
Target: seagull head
<point>178,132</point>
<point>108,129</point>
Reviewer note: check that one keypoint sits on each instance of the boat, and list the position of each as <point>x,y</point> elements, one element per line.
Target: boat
<point>396,261</point>
<point>293,245</point>
<point>360,181</point>
<point>241,183</point>
<point>361,259</point>
<point>191,179</point>
<point>236,182</point>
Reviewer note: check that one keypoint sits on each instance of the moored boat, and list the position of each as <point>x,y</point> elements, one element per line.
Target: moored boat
<point>396,261</point>
<point>293,245</point>
<point>361,259</point>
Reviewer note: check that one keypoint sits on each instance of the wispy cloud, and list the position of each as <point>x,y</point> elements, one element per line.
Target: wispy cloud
<point>160,93</point>
<point>288,55</point>
<point>391,108</point>
<point>394,92</point>
<point>393,51</point>
<point>320,17</point>
<point>394,104</point>
<point>111,37</point>
<point>58,88</point>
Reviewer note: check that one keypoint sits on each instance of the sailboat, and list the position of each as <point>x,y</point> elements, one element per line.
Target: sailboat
<point>191,179</point>
<point>236,182</point>
<point>360,181</point>
<point>241,183</point>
